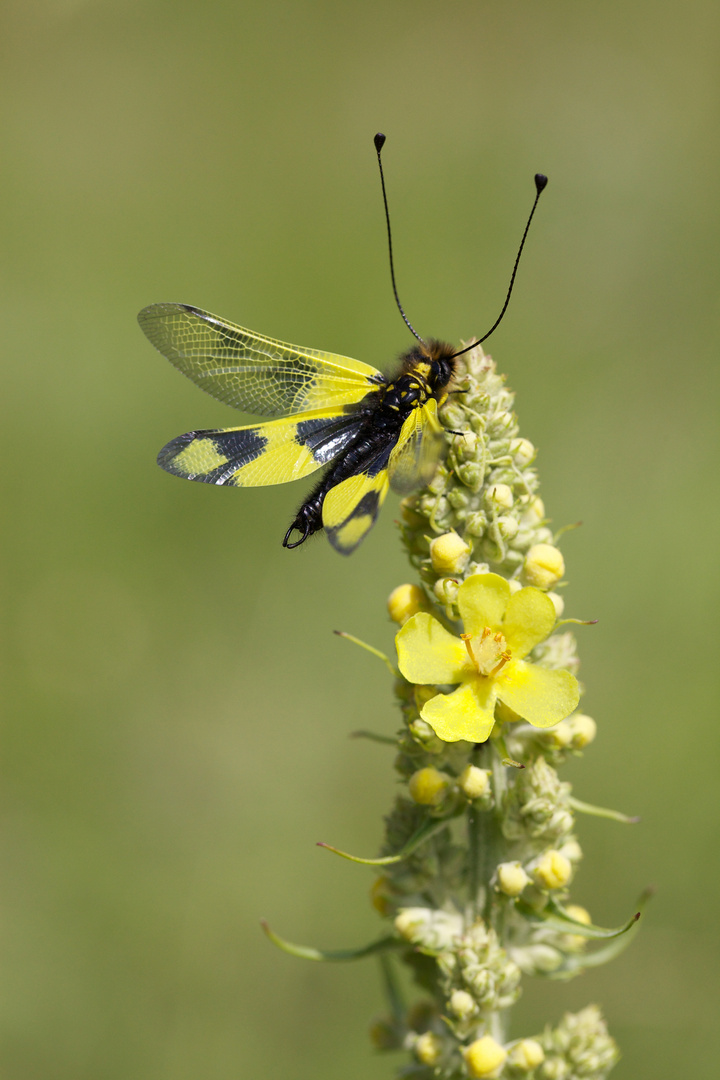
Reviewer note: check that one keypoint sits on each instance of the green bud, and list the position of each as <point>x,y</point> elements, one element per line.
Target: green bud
<point>500,424</point>
<point>446,590</point>
<point>424,735</point>
<point>476,523</point>
<point>454,416</point>
<point>523,452</point>
<point>507,527</point>
<point>458,498</point>
<point>462,1004</point>
<point>471,474</point>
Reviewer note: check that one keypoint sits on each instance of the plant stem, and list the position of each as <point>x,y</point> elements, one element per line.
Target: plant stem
<point>485,839</point>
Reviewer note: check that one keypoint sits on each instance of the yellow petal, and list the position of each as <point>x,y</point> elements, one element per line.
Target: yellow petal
<point>529,619</point>
<point>482,600</point>
<point>428,653</point>
<point>467,713</point>
<point>539,696</point>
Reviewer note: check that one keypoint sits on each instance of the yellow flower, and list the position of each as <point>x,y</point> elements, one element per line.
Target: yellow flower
<point>553,871</point>
<point>484,1058</point>
<point>405,601</point>
<point>487,661</point>
<point>428,786</point>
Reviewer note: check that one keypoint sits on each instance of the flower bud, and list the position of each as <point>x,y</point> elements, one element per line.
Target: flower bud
<point>476,523</point>
<point>507,526</point>
<point>428,1048</point>
<point>454,416</point>
<point>410,515</point>
<point>405,601</point>
<point>511,878</point>
<point>435,930</point>
<point>492,551</point>
<point>544,566</point>
<point>523,452</point>
<point>446,590</point>
<point>439,481</point>
<point>538,959</point>
<point>471,474</point>
<point>484,1058</point>
<point>499,497</point>
<point>420,730</point>
<point>458,498</point>
<point>558,737</point>
<point>462,1004</point>
<point>411,923</point>
<point>579,914</point>
<point>572,851</point>
<point>558,603</point>
<point>553,871</point>
<point>474,782</point>
<point>534,513</point>
<point>583,730</point>
<point>449,554</point>
<point>500,423</point>
<point>526,1055</point>
<point>429,786</point>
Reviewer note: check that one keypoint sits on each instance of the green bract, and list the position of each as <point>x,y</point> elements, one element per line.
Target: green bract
<point>487,661</point>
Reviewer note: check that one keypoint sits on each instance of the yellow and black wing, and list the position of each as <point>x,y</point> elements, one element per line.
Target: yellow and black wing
<point>414,458</point>
<point>274,452</point>
<point>350,508</point>
<point>251,372</point>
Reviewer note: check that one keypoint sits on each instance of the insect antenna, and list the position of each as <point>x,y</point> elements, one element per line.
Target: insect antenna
<point>379,141</point>
<point>540,185</point>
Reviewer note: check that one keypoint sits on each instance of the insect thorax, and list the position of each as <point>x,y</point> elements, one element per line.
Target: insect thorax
<point>425,373</point>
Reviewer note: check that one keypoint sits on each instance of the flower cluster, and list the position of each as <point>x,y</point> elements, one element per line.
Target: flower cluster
<point>489,698</point>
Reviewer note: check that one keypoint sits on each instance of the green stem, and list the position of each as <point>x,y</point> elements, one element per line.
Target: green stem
<point>486,850</point>
<point>484,839</point>
<point>392,988</point>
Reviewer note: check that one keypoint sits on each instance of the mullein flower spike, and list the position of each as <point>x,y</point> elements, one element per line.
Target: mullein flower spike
<point>480,846</point>
<point>488,676</point>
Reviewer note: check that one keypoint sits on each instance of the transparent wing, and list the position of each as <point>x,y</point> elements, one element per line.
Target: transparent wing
<point>275,452</point>
<point>414,457</point>
<point>350,509</point>
<point>250,372</point>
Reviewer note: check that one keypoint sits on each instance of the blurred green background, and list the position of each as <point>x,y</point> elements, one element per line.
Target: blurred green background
<point>177,708</point>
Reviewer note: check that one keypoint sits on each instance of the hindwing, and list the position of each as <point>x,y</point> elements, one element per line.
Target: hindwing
<point>350,509</point>
<point>251,372</point>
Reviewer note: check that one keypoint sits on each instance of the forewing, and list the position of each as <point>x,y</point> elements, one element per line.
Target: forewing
<point>250,372</point>
<point>275,452</point>
<point>414,457</point>
<point>351,507</point>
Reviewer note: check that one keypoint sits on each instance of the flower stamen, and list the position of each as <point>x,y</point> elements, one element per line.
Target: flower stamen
<point>488,651</point>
